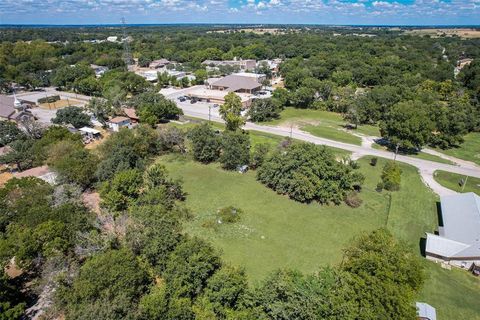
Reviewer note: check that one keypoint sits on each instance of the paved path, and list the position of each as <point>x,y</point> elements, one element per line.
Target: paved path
<point>425,167</point>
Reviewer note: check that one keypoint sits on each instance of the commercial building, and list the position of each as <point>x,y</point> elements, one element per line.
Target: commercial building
<point>458,239</point>
<point>239,82</point>
<point>218,96</point>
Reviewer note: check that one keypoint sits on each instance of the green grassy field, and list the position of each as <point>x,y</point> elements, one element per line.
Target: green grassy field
<point>276,232</point>
<point>323,124</point>
<point>451,181</point>
<point>284,233</point>
<point>469,150</point>
<point>454,293</point>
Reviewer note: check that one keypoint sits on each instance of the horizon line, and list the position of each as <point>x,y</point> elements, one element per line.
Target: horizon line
<point>237,24</point>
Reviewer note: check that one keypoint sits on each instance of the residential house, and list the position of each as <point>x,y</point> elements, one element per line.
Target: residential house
<point>131,114</point>
<point>112,39</point>
<point>99,70</point>
<point>115,124</point>
<point>425,311</point>
<point>12,109</point>
<point>458,241</point>
<point>160,63</point>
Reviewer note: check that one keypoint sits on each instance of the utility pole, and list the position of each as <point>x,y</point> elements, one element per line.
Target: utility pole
<point>464,183</point>
<point>396,152</point>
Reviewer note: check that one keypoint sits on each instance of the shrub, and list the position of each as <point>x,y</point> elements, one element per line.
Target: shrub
<point>373,161</point>
<point>229,214</point>
<point>353,200</point>
<point>379,187</point>
<point>391,176</point>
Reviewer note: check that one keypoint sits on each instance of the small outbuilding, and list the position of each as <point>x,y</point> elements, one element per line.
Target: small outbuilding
<point>425,311</point>
<point>90,133</point>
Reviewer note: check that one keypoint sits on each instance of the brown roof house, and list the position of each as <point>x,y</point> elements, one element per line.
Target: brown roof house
<point>237,83</point>
<point>160,63</point>
<point>131,114</point>
<point>12,109</point>
<point>115,124</point>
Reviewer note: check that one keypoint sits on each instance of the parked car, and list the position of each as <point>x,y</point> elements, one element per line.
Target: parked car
<point>182,99</point>
<point>216,105</point>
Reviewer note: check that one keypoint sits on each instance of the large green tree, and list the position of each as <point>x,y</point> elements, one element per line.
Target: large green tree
<point>407,125</point>
<point>205,143</point>
<point>231,111</point>
<point>307,172</point>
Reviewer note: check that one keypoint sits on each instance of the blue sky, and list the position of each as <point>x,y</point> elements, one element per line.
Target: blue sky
<point>377,12</point>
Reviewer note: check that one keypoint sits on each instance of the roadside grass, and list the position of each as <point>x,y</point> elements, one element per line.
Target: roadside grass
<point>328,132</point>
<point>469,150</point>
<point>323,124</point>
<point>452,181</point>
<point>419,155</point>
<point>430,157</point>
<point>276,232</point>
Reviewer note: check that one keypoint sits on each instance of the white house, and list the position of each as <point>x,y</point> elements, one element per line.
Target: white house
<point>119,122</point>
<point>458,241</point>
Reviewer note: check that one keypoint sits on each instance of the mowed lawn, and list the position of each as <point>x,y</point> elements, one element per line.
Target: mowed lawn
<point>452,181</point>
<point>469,150</point>
<point>323,124</point>
<point>276,232</point>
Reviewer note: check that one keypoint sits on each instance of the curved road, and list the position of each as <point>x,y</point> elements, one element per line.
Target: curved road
<point>425,167</point>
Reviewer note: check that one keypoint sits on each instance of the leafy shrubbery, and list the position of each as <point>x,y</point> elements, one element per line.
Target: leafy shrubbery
<point>306,172</point>
<point>50,99</point>
<point>391,176</point>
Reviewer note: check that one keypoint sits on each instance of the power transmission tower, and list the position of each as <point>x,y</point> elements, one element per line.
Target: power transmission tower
<point>127,56</point>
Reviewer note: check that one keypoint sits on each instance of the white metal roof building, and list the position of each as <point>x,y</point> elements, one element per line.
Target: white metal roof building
<point>458,241</point>
<point>426,311</point>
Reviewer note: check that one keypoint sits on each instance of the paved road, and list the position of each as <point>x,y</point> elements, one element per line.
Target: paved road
<point>425,167</point>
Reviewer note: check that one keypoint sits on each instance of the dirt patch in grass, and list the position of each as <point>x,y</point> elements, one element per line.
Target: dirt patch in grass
<point>62,103</point>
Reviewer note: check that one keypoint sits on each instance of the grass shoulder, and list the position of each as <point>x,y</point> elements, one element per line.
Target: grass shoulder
<point>455,182</point>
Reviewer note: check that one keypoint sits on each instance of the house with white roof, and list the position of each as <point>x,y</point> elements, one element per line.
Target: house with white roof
<point>458,240</point>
